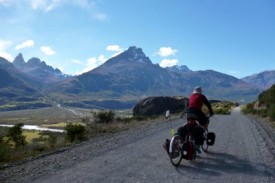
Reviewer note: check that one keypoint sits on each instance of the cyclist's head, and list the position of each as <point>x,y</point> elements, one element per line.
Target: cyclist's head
<point>197,89</point>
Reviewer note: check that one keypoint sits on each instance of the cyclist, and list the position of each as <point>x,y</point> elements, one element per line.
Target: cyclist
<point>194,111</point>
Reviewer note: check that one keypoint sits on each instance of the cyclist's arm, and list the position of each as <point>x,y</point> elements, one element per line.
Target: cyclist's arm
<point>206,102</point>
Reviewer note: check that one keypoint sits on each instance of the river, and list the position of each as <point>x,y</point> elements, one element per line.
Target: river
<point>35,127</point>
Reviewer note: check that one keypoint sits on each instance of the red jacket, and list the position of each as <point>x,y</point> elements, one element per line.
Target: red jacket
<point>196,101</point>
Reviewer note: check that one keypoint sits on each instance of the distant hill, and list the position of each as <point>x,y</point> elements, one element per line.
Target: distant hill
<point>16,91</point>
<point>263,80</point>
<point>125,79</point>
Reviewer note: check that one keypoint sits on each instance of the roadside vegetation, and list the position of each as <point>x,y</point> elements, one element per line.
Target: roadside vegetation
<point>17,144</point>
<point>264,107</point>
<point>221,107</point>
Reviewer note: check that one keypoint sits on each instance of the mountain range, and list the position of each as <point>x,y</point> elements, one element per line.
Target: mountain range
<point>263,80</point>
<point>119,83</point>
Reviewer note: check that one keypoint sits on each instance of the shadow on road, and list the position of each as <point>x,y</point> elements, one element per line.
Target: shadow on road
<point>215,164</point>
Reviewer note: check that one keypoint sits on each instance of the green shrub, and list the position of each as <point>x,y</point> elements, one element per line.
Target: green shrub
<point>49,138</point>
<point>262,113</point>
<point>268,96</point>
<point>37,145</point>
<point>222,107</point>
<point>104,116</point>
<point>52,140</point>
<point>249,109</point>
<point>15,135</point>
<point>266,99</point>
<point>75,131</point>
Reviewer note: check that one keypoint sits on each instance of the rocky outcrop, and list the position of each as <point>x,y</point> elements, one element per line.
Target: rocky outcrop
<point>158,105</point>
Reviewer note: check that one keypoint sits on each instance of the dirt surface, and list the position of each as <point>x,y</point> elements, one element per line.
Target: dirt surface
<point>244,152</point>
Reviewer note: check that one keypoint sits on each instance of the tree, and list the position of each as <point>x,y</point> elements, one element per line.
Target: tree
<point>15,134</point>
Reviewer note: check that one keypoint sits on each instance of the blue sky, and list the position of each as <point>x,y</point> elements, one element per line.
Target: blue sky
<point>236,37</point>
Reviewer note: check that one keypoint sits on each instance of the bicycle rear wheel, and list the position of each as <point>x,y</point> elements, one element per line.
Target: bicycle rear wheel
<point>204,145</point>
<point>175,149</point>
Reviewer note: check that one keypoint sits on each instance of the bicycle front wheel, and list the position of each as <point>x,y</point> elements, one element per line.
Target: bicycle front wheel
<point>175,150</point>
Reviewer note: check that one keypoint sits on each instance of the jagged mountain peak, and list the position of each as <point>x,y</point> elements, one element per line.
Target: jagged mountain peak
<point>36,62</point>
<point>133,58</point>
<point>134,53</point>
<point>178,68</point>
<point>38,69</point>
<point>19,60</point>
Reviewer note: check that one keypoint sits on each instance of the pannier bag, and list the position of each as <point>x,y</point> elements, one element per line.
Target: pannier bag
<point>188,151</point>
<point>211,138</point>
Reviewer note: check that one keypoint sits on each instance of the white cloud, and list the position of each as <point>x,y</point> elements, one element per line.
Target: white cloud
<point>25,44</point>
<point>166,51</point>
<point>47,50</point>
<point>76,61</point>
<point>114,48</point>
<point>55,3</point>
<point>49,5</point>
<point>45,5</point>
<point>102,59</point>
<point>168,62</point>
<point>89,6</point>
<point>92,63</point>
<point>6,56</point>
<point>4,45</point>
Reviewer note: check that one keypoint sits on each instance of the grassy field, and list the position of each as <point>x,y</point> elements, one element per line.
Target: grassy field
<point>50,115</point>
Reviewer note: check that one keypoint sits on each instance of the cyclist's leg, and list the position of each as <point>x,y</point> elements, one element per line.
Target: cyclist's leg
<point>198,135</point>
<point>202,119</point>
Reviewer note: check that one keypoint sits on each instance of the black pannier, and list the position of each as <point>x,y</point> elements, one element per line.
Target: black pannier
<point>211,138</point>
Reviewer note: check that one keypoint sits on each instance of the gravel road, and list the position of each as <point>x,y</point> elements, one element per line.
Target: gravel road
<point>244,152</point>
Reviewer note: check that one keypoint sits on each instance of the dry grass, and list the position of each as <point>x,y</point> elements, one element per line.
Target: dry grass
<point>30,135</point>
<point>38,116</point>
